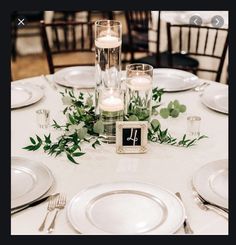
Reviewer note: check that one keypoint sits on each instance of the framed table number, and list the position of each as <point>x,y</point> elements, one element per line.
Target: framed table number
<point>131,137</point>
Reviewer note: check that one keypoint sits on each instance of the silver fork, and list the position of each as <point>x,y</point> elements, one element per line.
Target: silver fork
<point>212,204</point>
<point>186,225</point>
<point>51,207</point>
<point>61,202</point>
<point>207,207</point>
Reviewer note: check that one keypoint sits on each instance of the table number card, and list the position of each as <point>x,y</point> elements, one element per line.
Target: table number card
<point>131,137</point>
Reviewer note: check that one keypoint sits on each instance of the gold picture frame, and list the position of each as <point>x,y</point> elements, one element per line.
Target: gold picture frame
<point>131,137</point>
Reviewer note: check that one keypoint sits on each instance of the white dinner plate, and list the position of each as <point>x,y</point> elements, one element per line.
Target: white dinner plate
<point>76,77</point>
<point>29,181</point>
<point>173,80</point>
<point>125,208</point>
<point>25,94</point>
<point>211,182</point>
<point>216,98</point>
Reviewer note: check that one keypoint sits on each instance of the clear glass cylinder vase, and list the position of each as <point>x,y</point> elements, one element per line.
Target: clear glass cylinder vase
<point>138,96</point>
<point>107,56</point>
<point>111,109</point>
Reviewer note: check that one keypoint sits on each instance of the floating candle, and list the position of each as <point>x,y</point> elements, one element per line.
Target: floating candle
<point>107,41</point>
<point>140,83</point>
<point>111,104</point>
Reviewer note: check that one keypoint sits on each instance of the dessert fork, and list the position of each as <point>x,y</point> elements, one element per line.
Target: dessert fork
<point>61,202</point>
<point>207,207</point>
<point>51,206</point>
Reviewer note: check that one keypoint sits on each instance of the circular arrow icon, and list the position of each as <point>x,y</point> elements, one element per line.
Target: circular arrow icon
<point>195,20</point>
<point>217,21</point>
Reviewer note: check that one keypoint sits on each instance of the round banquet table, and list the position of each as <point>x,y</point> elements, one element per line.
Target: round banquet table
<point>163,165</point>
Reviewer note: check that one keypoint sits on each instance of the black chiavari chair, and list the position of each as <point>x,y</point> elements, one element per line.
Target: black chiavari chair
<point>68,37</point>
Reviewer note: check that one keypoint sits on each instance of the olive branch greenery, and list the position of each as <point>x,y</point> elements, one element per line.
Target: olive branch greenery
<point>83,125</point>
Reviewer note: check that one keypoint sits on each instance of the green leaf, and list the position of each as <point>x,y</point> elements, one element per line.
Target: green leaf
<point>182,108</point>
<point>133,118</point>
<point>174,113</point>
<point>97,142</point>
<point>71,119</point>
<point>176,103</point>
<point>98,127</point>
<point>73,148</point>
<point>65,110</point>
<point>202,137</point>
<point>39,139</point>
<point>164,112</point>
<point>29,148</point>
<point>47,139</point>
<point>46,147</point>
<point>32,140</point>
<point>71,158</point>
<point>78,154</point>
<point>36,147</point>
<point>191,142</point>
<point>82,132</point>
<point>56,125</point>
<point>155,123</point>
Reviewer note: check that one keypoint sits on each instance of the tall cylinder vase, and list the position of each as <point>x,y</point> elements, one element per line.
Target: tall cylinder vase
<point>108,56</point>
<point>138,97</point>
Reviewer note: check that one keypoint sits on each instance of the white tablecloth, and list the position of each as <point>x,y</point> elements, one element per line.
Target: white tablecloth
<point>163,165</point>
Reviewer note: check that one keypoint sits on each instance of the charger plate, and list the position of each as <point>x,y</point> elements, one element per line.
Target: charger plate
<point>125,208</point>
<point>216,98</point>
<point>211,182</point>
<point>24,95</point>
<point>29,181</point>
<point>76,77</point>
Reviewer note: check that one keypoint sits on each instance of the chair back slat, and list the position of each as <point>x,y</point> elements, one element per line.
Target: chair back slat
<point>206,41</point>
<point>74,38</point>
<point>215,40</point>
<point>82,36</point>
<point>180,39</point>
<point>197,40</point>
<point>57,42</point>
<point>65,29</point>
<point>189,38</point>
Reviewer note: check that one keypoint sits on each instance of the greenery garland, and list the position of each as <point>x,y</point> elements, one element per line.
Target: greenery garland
<point>83,125</point>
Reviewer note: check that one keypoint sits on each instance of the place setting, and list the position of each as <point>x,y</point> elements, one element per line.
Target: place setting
<point>210,187</point>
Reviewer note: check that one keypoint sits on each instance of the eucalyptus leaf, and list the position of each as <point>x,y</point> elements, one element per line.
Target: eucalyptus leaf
<point>82,132</point>
<point>98,127</point>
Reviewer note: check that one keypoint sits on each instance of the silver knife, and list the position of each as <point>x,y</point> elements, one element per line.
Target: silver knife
<point>32,204</point>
